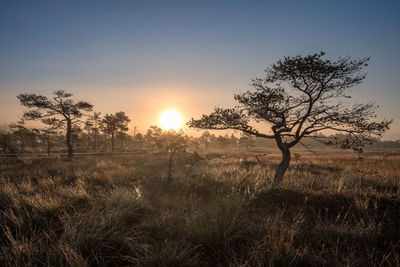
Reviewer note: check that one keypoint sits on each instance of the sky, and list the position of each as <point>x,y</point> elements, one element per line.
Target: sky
<point>143,57</point>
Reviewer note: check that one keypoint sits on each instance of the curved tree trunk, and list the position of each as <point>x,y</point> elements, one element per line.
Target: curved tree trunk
<point>69,139</point>
<point>280,172</point>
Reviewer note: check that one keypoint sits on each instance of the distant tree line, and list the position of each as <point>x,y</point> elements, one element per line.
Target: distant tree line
<point>65,122</point>
<point>91,136</point>
<point>99,134</point>
<point>74,126</point>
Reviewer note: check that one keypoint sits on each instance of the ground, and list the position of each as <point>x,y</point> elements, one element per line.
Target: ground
<point>219,210</point>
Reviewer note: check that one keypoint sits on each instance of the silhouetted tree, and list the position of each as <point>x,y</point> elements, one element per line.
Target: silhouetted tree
<point>205,139</point>
<point>123,139</point>
<point>45,135</point>
<point>96,121</point>
<point>33,134</point>
<point>138,141</point>
<point>57,111</point>
<point>152,136</point>
<point>172,143</point>
<point>20,131</point>
<point>88,126</point>
<point>300,96</point>
<point>138,137</point>
<point>113,123</point>
<point>6,144</point>
<point>76,135</point>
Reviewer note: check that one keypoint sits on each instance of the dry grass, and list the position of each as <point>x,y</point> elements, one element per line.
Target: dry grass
<point>219,211</point>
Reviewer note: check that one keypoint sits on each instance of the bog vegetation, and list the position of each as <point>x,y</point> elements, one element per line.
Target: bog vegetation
<point>219,210</point>
<point>82,191</point>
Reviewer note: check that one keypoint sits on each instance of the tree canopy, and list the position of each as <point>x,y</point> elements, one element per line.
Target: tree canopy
<point>114,123</point>
<point>300,96</point>
<point>56,112</point>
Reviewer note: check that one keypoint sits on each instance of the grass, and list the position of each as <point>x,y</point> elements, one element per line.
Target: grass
<point>220,210</point>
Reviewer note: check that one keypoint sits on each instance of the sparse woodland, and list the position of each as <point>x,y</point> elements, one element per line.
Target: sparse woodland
<point>82,191</point>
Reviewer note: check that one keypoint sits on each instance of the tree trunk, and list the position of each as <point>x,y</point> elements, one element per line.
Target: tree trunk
<point>280,172</point>
<point>69,139</point>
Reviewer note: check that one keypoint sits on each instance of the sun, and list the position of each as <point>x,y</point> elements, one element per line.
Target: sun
<point>171,120</point>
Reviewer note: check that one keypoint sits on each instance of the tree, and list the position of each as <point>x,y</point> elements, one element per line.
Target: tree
<point>138,141</point>
<point>113,123</point>
<point>205,139</point>
<point>6,144</point>
<point>301,96</point>
<point>76,136</point>
<point>33,134</point>
<point>46,135</point>
<point>20,131</point>
<point>58,111</point>
<point>170,142</point>
<point>152,136</point>
<point>96,121</point>
<point>123,139</point>
<point>88,126</point>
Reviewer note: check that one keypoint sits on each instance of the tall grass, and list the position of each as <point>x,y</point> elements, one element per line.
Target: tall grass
<point>220,210</point>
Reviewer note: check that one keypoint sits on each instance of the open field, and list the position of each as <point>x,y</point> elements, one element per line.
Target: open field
<point>219,210</point>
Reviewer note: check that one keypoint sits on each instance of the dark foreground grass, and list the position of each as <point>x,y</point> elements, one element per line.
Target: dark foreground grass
<point>218,211</point>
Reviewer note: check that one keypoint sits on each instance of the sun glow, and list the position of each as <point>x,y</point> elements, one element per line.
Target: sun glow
<point>171,120</point>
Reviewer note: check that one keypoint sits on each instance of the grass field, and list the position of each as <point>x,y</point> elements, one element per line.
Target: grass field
<point>219,210</point>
